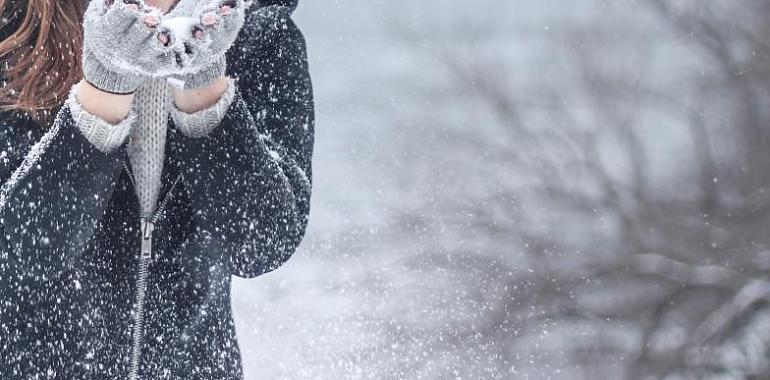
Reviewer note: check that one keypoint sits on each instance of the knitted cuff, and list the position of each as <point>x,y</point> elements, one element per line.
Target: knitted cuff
<point>104,136</point>
<point>201,123</point>
<point>107,80</point>
<point>202,78</point>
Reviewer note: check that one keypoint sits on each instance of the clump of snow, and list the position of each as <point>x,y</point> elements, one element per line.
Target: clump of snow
<point>180,28</point>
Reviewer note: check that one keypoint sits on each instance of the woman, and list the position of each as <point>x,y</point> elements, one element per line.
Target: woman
<point>150,150</point>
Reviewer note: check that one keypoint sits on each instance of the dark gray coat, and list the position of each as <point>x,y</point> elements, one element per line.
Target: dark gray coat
<point>236,203</point>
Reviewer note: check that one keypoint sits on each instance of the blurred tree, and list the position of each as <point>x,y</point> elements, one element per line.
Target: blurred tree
<point>607,212</point>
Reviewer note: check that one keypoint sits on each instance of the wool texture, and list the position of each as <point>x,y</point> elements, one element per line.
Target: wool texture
<point>146,148</point>
<point>119,49</point>
<point>200,124</point>
<point>105,136</point>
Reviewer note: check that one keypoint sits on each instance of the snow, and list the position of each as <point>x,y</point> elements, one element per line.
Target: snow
<point>392,282</point>
<point>180,27</point>
<point>30,160</point>
<point>479,211</point>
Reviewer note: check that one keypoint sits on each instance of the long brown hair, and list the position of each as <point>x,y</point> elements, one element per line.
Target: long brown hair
<point>41,56</point>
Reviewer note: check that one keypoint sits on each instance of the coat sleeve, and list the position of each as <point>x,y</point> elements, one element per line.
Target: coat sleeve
<point>249,178</point>
<point>53,194</point>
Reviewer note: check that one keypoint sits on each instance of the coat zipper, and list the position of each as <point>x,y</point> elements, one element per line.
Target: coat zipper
<point>147,225</point>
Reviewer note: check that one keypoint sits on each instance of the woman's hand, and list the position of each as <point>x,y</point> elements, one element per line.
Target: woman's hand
<point>218,27</point>
<point>111,108</point>
<point>201,36</point>
<point>123,44</point>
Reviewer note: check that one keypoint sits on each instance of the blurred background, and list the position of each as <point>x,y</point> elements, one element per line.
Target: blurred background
<point>528,189</point>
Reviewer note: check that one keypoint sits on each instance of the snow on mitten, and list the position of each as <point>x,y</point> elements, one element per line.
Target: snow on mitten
<point>122,44</point>
<point>202,34</point>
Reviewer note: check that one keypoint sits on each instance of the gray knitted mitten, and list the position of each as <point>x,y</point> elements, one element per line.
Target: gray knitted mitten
<point>202,32</point>
<point>122,44</point>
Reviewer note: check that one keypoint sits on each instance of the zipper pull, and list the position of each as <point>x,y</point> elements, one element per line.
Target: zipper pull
<point>147,227</point>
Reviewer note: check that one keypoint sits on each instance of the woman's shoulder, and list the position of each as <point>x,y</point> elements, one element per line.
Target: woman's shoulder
<point>269,23</point>
<point>268,35</point>
<point>269,48</point>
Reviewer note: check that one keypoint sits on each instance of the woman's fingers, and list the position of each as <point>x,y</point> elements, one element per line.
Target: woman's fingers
<point>164,37</point>
<point>232,4</point>
<point>209,19</point>
<point>198,32</point>
<point>192,41</point>
<point>213,15</point>
<point>152,17</point>
<point>121,16</point>
<point>219,24</point>
<point>225,10</point>
<point>133,5</point>
<point>151,20</point>
<point>144,32</point>
<point>227,7</point>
